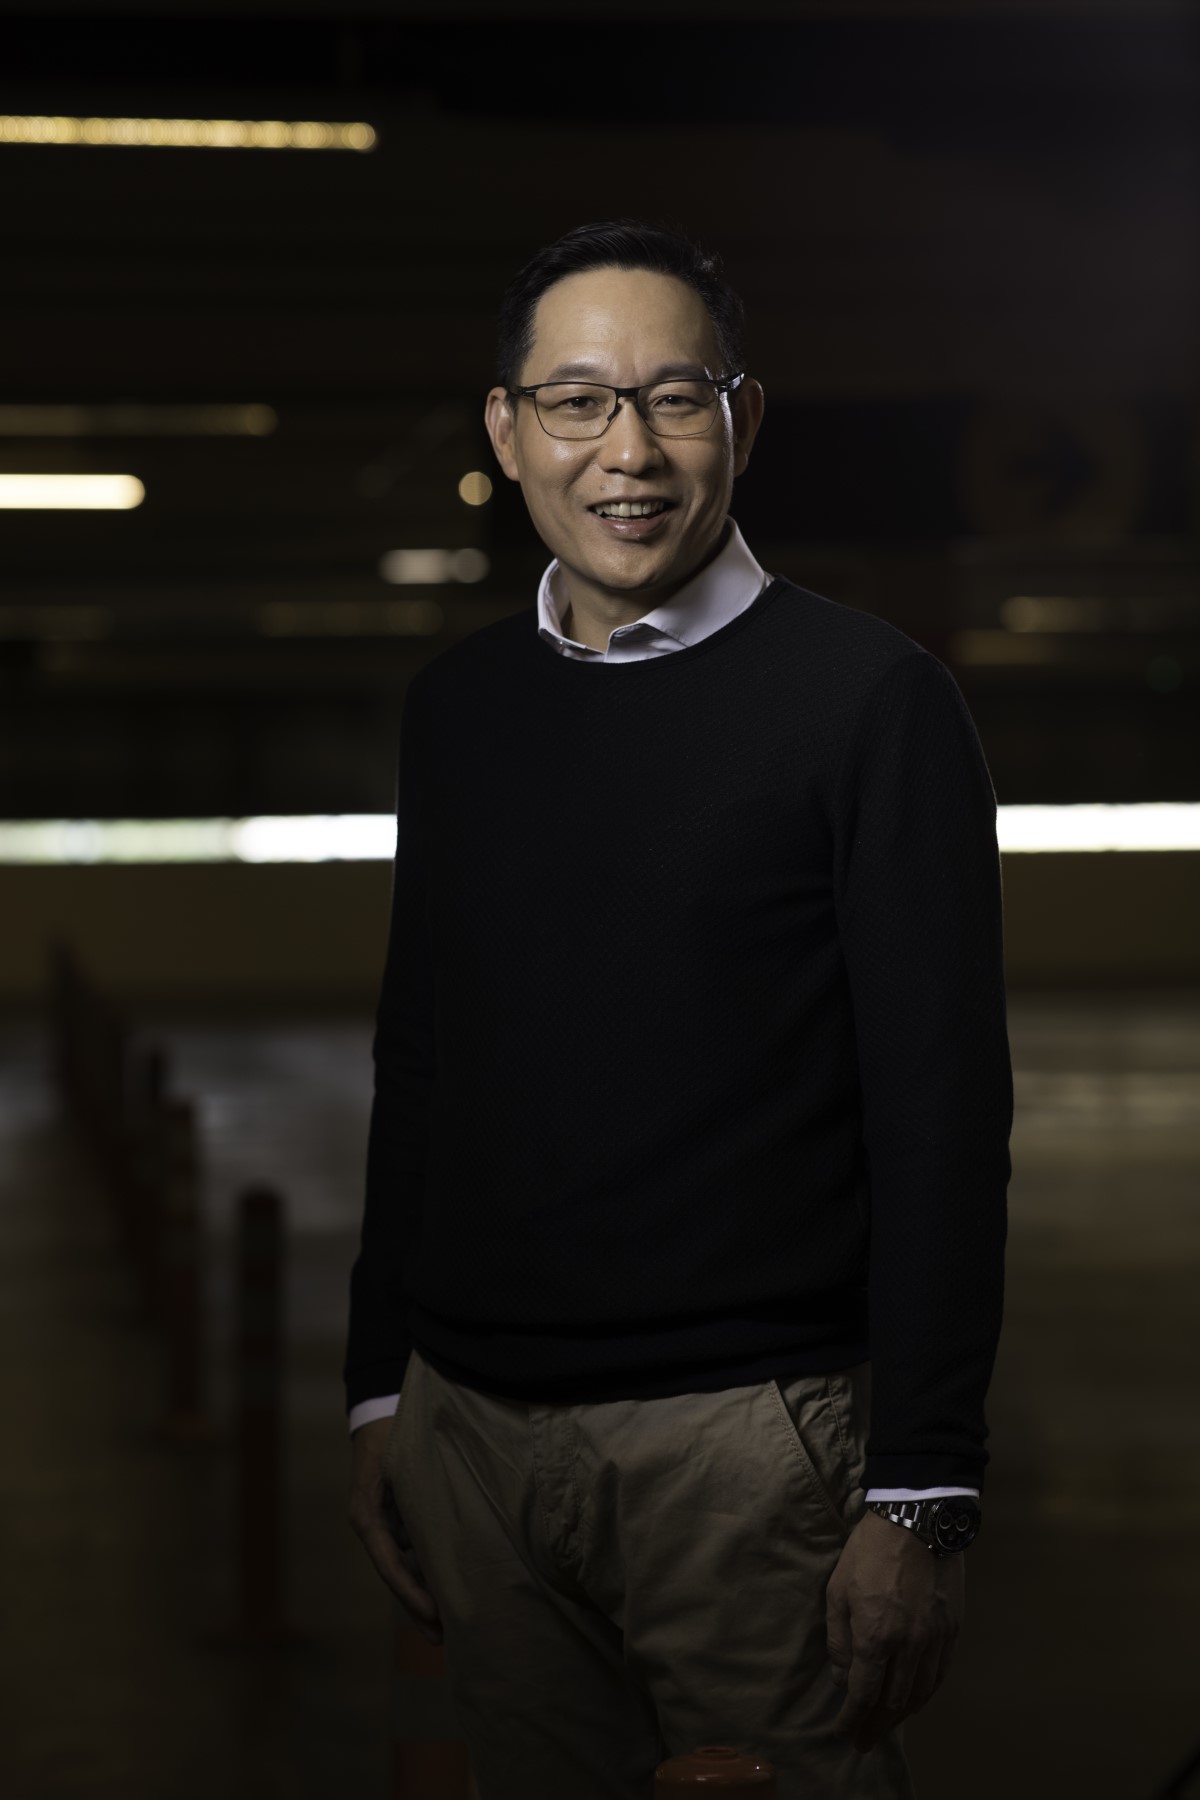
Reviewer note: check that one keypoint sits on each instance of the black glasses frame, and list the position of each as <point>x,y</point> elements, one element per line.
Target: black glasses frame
<point>729,385</point>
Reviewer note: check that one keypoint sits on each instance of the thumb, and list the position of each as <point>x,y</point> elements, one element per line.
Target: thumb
<point>837,1632</point>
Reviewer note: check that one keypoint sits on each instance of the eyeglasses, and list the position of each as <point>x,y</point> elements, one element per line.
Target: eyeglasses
<point>584,409</point>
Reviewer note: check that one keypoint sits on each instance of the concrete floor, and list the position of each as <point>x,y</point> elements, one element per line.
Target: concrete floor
<point>1077,1674</point>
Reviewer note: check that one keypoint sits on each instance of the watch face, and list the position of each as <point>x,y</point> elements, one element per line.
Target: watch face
<point>956,1522</point>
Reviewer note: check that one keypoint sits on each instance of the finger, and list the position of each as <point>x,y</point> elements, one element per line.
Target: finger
<point>378,1518</point>
<point>911,1681</point>
<point>928,1677</point>
<point>902,1672</point>
<point>892,1704</point>
<point>404,1577</point>
<point>837,1634</point>
<point>398,1567</point>
<point>863,1688</point>
<point>395,1523</point>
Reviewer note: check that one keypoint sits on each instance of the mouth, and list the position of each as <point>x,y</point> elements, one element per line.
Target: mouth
<point>632,518</point>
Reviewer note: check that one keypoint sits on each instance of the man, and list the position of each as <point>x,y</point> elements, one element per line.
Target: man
<point>685,1210</point>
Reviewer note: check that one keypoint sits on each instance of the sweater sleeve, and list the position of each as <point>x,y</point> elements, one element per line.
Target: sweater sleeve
<point>378,1344</point>
<point>920,918</point>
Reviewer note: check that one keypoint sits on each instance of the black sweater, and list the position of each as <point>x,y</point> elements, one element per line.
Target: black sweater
<point>691,1062</point>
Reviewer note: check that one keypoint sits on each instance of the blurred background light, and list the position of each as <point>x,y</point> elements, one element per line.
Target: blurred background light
<point>71,493</point>
<point>188,134</point>
<point>419,568</point>
<point>475,488</point>
<point>368,837</point>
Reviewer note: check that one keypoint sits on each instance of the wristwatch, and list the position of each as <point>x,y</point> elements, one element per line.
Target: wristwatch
<point>945,1523</point>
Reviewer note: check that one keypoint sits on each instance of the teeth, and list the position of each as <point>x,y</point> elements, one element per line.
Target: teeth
<point>631,509</point>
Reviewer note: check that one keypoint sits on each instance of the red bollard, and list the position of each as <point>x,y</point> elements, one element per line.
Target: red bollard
<point>260,1485</point>
<point>182,1297</point>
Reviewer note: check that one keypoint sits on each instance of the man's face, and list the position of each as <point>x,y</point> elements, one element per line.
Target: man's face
<point>628,326</point>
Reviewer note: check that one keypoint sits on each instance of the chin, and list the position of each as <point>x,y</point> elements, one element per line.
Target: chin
<point>631,583</point>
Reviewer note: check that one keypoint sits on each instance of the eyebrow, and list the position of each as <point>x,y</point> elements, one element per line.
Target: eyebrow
<point>695,371</point>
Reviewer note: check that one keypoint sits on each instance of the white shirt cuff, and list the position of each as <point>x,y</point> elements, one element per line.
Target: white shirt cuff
<point>918,1493</point>
<point>367,1410</point>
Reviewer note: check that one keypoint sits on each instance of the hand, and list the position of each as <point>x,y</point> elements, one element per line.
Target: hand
<point>376,1519</point>
<point>893,1613</point>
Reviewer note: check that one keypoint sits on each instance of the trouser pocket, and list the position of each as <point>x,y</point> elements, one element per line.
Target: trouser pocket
<point>829,1416</point>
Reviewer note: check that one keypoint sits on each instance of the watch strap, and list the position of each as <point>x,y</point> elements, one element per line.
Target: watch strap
<point>917,1516</point>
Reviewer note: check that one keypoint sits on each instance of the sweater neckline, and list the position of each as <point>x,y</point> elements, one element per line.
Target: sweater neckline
<point>579,664</point>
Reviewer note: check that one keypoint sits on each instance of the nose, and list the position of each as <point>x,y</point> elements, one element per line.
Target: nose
<point>629,443</point>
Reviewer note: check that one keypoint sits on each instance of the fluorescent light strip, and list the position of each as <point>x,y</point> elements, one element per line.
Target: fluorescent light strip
<point>1096,825</point>
<point>342,837</point>
<point>70,493</point>
<point>136,419</point>
<point>371,837</point>
<point>188,134</point>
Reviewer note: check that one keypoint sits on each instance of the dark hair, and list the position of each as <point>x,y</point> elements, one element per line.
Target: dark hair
<point>616,244</point>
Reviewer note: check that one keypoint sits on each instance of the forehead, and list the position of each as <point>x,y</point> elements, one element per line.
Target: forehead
<point>620,320</point>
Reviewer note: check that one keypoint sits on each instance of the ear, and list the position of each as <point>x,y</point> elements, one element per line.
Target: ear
<point>499,418</point>
<point>746,412</point>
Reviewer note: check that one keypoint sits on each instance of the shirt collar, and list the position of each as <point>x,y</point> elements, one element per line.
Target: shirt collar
<point>721,590</point>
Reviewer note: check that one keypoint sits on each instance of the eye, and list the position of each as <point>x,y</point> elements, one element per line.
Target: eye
<point>570,397</point>
<point>688,396</point>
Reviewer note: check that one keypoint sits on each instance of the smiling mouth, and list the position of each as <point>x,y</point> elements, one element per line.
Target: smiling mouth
<point>630,509</point>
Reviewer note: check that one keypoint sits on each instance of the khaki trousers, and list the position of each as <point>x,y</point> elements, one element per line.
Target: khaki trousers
<point>624,1581</point>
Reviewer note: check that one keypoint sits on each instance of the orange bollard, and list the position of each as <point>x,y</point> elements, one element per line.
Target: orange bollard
<point>429,1755</point>
<point>731,1773</point>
